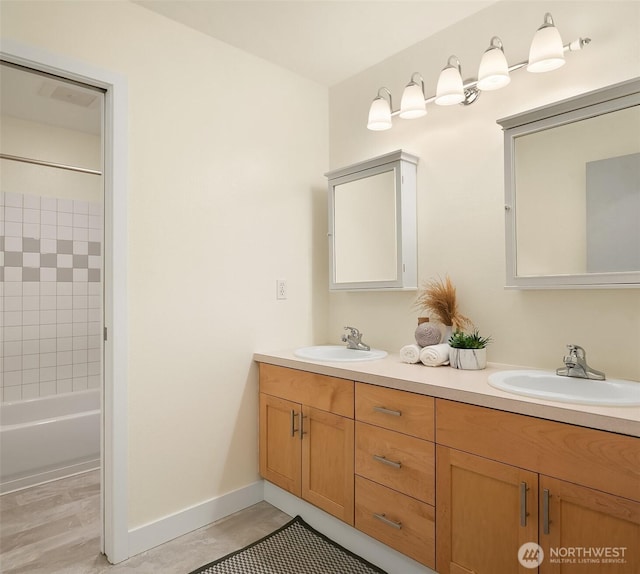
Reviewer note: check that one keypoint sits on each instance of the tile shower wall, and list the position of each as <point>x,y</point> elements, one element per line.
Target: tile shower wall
<point>51,296</point>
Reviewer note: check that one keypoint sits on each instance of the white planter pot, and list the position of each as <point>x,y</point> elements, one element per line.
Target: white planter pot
<point>468,359</point>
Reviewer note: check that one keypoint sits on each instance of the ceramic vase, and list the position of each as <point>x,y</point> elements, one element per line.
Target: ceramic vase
<point>468,359</point>
<point>447,331</point>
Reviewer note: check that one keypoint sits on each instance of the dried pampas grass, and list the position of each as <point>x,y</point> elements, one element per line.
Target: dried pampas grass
<point>438,298</point>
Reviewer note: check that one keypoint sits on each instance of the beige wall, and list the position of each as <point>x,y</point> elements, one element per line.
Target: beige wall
<point>461,190</point>
<point>226,195</point>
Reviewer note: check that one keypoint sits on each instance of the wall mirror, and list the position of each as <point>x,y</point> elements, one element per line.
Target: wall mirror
<point>572,192</point>
<point>372,224</point>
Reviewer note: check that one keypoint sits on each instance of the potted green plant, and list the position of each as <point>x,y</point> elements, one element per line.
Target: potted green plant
<point>468,350</point>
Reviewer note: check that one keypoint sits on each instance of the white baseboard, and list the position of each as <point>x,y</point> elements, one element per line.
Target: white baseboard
<point>160,531</point>
<point>354,540</point>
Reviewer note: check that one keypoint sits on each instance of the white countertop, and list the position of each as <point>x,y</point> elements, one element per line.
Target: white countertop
<point>464,386</point>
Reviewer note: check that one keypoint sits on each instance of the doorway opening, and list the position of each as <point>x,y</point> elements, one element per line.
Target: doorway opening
<point>80,82</point>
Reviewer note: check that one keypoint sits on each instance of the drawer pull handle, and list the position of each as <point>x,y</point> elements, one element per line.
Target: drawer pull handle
<point>386,461</point>
<point>385,520</point>
<point>293,422</point>
<point>387,411</point>
<point>523,504</point>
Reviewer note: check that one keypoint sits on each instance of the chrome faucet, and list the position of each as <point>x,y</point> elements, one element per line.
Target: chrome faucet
<point>576,365</point>
<point>354,340</point>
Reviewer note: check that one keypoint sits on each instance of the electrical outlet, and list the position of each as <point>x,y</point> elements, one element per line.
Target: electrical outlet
<point>281,289</point>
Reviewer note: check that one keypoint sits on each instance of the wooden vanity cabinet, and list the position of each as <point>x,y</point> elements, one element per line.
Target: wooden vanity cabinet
<point>504,479</point>
<point>307,437</point>
<point>395,470</point>
<point>457,487</point>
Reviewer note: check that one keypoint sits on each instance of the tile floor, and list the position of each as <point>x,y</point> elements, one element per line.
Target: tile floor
<point>54,529</point>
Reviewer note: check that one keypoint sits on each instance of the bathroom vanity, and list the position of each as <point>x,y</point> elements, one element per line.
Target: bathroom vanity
<point>449,471</point>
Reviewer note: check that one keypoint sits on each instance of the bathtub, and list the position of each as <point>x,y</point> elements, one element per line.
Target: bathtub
<point>48,438</point>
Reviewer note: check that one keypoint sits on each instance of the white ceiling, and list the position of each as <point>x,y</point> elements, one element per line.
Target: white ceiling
<point>327,41</point>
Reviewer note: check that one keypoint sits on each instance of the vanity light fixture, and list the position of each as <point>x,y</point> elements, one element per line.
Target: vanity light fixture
<point>450,89</point>
<point>413,104</point>
<point>493,73</point>
<point>380,112</point>
<point>545,54</point>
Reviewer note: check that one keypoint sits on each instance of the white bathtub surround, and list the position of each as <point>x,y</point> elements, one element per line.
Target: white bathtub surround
<point>47,438</point>
<point>469,359</point>
<point>52,296</point>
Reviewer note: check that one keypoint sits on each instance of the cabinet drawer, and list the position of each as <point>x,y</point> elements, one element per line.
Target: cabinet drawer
<point>396,460</point>
<point>319,391</point>
<point>401,411</point>
<point>599,459</point>
<point>397,520</point>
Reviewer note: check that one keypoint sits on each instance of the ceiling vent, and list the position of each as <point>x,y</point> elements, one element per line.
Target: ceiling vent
<point>67,94</point>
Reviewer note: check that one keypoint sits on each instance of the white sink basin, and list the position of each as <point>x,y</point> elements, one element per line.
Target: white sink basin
<point>552,387</point>
<point>338,353</point>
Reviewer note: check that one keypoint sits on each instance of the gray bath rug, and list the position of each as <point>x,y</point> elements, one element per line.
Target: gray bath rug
<point>295,548</point>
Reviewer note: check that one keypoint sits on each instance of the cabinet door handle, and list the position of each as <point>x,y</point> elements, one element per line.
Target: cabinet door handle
<point>523,504</point>
<point>302,431</point>
<point>387,411</point>
<point>294,414</point>
<point>385,520</point>
<point>545,511</point>
<point>386,461</point>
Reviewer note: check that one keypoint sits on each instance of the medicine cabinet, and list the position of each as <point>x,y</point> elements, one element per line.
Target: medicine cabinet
<point>572,192</point>
<point>372,224</point>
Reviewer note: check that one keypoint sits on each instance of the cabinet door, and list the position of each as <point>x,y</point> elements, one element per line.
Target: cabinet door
<point>585,531</point>
<point>327,462</point>
<point>280,444</point>
<point>485,510</point>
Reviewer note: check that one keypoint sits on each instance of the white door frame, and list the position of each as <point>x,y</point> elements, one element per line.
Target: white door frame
<point>115,539</point>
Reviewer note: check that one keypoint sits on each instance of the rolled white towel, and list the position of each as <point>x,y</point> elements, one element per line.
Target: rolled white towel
<point>435,355</point>
<point>410,354</point>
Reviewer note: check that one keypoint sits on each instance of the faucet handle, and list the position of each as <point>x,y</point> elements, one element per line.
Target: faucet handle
<point>576,351</point>
<point>354,331</point>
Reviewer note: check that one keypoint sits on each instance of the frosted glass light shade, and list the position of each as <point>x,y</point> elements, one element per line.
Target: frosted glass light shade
<point>546,52</point>
<point>450,89</point>
<point>412,104</point>
<point>493,73</point>
<point>379,115</point>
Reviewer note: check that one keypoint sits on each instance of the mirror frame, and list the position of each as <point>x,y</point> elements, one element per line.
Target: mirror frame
<point>404,166</point>
<point>605,100</point>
